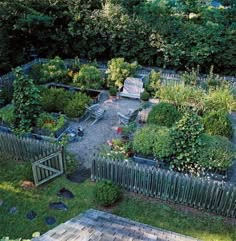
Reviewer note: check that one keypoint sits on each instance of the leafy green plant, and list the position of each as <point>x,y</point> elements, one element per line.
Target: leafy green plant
<point>118,70</point>
<point>163,114</point>
<point>106,193</point>
<point>190,77</point>
<point>26,100</point>
<point>163,147</point>
<point>216,154</point>
<point>55,100</point>
<point>182,96</point>
<point>7,114</point>
<point>35,73</point>
<point>154,83</point>
<point>145,96</point>
<point>76,106</point>
<point>89,77</point>
<point>144,139</point>
<point>54,71</point>
<point>218,123</point>
<point>50,122</point>
<point>113,91</point>
<point>186,139</point>
<point>221,99</point>
<point>214,81</point>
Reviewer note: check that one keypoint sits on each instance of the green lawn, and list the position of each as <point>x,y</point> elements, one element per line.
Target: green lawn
<point>203,226</point>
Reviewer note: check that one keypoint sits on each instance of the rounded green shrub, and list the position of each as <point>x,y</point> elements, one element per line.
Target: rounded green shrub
<point>76,106</point>
<point>216,153</point>
<point>54,100</point>
<point>144,139</point>
<point>7,114</point>
<point>163,114</point>
<point>218,123</point>
<point>113,91</point>
<point>145,96</point>
<point>163,146</point>
<point>106,193</point>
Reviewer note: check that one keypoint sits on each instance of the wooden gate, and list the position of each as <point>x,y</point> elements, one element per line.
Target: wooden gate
<point>48,168</point>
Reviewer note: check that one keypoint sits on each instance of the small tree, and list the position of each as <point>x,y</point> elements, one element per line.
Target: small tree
<point>26,101</point>
<point>119,70</point>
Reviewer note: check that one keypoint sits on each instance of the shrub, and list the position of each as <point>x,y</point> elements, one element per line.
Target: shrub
<point>118,70</point>
<point>89,77</point>
<point>182,95</point>
<point>145,96</point>
<point>54,71</point>
<point>190,77</point>
<point>54,100</point>
<point>7,114</point>
<point>163,114</point>
<point>47,121</point>
<point>113,91</point>
<point>186,139</point>
<point>76,106</point>
<point>163,146</point>
<point>154,82</point>
<point>26,100</point>
<point>144,139</point>
<point>36,73</point>
<point>221,99</point>
<point>106,193</point>
<point>218,123</point>
<point>216,153</point>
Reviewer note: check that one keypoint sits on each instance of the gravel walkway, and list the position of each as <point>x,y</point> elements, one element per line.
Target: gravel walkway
<point>100,132</point>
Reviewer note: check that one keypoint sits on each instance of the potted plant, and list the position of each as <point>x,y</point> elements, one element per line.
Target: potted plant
<point>113,93</point>
<point>145,96</point>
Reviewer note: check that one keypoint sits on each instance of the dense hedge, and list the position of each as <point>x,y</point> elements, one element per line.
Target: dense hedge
<point>171,34</point>
<point>163,114</point>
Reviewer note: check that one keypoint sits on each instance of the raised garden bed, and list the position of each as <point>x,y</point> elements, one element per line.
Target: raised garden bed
<point>40,133</point>
<point>93,94</point>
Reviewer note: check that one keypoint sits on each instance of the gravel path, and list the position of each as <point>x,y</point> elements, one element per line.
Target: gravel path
<point>100,132</point>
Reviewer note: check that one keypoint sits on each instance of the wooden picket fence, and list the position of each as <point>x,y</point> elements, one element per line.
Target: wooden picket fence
<point>217,197</point>
<point>47,159</point>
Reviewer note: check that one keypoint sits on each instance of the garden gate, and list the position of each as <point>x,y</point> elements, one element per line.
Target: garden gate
<point>47,159</point>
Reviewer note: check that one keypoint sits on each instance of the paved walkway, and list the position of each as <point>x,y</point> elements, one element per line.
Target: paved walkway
<point>100,132</point>
<point>96,225</point>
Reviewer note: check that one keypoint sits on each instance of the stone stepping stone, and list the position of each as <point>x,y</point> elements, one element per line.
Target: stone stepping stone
<point>65,193</point>
<point>50,220</point>
<point>58,206</point>
<point>13,210</point>
<point>31,215</point>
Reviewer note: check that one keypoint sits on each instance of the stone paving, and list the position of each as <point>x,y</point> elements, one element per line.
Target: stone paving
<point>94,225</point>
<point>100,132</point>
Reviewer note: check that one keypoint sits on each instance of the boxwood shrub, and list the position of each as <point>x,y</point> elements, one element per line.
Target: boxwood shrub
<point>163,114</point>
<point>216,153</point>
<point>106,193</point>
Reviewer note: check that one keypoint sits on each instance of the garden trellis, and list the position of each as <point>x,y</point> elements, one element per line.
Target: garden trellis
<point>47,159</point>
<point>217,197</point>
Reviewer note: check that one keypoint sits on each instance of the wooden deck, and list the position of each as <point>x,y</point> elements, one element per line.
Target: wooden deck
<point>94,225</point>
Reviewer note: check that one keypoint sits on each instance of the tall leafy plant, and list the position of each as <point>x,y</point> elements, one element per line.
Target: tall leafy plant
<point>119,70</point>
<point>26,99</point>
<point>186,138</point>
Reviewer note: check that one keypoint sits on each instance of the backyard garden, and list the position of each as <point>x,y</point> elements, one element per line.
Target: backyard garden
<point>164,156</point>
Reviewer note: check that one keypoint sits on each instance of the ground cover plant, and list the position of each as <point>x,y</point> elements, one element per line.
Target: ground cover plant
<point>202,226</point>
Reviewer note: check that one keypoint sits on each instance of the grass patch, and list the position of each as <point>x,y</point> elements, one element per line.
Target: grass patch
<point>204,227</point>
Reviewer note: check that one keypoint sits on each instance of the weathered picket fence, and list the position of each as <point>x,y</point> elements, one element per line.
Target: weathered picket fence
<point>47,159</point>
<point>195,192</point>
<point>167,75</point>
